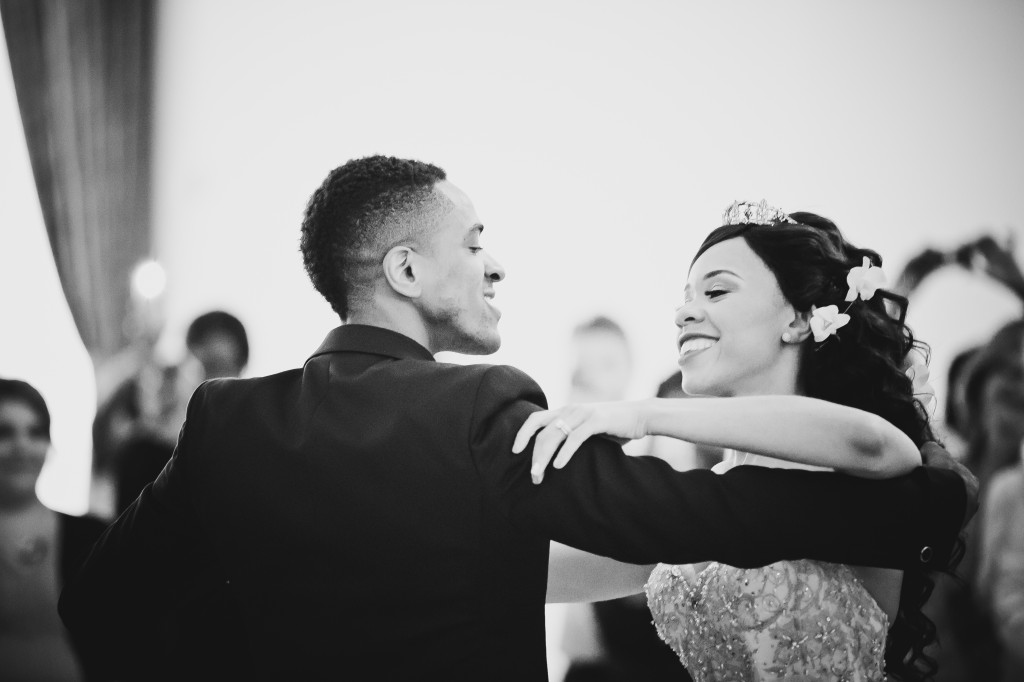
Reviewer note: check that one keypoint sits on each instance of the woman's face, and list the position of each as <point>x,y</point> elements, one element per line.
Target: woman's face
<point>731,325</point>
<point>1002,409</point>
<point>23,448</point>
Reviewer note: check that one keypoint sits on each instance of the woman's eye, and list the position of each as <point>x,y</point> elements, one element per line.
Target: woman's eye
<point>715,293</point>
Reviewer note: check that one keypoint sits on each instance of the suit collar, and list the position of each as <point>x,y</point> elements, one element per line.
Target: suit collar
<point>363,338</point>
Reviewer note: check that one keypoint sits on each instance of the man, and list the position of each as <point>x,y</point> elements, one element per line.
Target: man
<point>364,517</point>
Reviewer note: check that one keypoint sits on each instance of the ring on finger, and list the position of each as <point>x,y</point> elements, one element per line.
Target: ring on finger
<point>562,426</point>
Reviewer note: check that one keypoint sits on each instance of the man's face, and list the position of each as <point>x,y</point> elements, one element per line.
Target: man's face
<point>458,281</point>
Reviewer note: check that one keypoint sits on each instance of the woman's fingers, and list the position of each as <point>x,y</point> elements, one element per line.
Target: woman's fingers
<point>552,436</point>
<point>572,443</point>
<point>534,423</point>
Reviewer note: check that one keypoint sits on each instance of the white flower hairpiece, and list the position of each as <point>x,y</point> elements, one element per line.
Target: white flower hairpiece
<point>919,374</point>
<point>826,321</point>
<point>864,280</point>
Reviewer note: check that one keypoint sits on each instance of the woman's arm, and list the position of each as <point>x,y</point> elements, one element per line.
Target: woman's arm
<point>578,576</point>
<point>796,428</point>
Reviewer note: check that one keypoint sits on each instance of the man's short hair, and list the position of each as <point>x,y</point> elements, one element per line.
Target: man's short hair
<point>219,322</point>
<point>362,210</point>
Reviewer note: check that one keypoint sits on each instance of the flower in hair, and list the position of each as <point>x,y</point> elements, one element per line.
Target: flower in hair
<point>864,280</point>
<point>919,376</point>
<point>826,321</point>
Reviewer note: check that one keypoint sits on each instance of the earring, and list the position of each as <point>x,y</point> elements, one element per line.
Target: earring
<point>786,337</point>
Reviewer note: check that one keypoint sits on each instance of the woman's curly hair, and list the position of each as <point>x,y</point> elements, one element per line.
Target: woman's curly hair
<point>864,368</point>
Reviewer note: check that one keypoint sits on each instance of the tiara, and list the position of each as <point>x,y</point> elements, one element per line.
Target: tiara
<point>762,213</point>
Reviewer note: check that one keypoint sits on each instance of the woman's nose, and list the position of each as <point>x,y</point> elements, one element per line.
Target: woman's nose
<point>688,313</point>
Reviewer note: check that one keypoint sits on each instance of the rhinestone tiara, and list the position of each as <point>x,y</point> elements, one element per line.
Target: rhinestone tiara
<point>761,213</point>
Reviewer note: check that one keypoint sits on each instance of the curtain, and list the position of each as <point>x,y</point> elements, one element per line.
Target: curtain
<point>82,73</point>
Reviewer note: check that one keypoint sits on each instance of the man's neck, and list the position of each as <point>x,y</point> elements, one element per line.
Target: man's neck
<point>405,324</point>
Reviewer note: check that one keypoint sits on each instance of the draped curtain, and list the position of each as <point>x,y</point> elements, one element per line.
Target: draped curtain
<point>82,73</point>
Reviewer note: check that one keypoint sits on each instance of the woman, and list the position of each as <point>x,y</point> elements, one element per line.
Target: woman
<point>39,548</point>
<point>762,325</point>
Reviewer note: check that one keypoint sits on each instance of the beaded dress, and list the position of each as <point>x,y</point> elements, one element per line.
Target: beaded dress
<point>792,620</point>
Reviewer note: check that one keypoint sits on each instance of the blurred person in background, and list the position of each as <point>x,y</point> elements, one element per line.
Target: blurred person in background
<point>994,402</point>
<point>602,362</point>
<point>602,367</point>
<point>39,549</point>
<point>610,640</point>
<point>682,456</point>
<point>1000,577</point>
<point>993,420</point>
<point>135,430</point>
<point>955,426</point>
<point>983,427</point>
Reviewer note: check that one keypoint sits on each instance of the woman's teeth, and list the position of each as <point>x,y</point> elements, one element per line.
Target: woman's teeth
<point>694,345</point>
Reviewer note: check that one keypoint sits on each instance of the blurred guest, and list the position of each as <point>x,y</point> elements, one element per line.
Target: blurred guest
<point>994,401</point>
<point>681,455</point>
<point>602,362</point>
<point>990,414</point>
<point>601,371</point>
<point>1001,569</point>
<point>956,424</point>
<point>611,640</point>
<point>138,426</point>
<point>39,549</point>
<point>219,342</point>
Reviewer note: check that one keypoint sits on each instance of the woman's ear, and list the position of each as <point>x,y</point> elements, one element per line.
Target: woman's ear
<point>798,329</point>
<point>402,270</point>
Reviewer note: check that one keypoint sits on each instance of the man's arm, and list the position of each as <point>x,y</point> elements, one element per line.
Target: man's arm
<point>638,510</point>
<point>148,567</point>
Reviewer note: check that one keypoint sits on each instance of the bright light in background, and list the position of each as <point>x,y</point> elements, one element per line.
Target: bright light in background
<point>148,280</point>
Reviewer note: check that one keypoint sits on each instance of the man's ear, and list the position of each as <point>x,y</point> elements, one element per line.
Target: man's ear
<point>799,328</point>
<point>403,271</point>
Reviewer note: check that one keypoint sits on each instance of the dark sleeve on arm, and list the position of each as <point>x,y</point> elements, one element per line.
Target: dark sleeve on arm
<point>150,565</point>
<point>639,510</point>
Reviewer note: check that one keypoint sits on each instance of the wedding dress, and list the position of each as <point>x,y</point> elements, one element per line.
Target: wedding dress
<point>792,620</point>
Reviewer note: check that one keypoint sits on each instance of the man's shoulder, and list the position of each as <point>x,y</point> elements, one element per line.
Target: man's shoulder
<point>486,377</point>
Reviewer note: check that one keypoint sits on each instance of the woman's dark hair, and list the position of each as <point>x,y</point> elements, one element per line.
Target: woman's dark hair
<point>863,367</point>
<point>14,390</point>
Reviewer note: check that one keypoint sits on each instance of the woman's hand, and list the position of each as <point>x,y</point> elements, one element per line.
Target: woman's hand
<point>569,426</point>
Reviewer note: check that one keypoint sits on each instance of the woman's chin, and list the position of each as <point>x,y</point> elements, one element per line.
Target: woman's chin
<point>700,389</point>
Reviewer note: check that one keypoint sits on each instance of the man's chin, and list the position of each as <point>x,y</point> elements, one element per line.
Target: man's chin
<point>484,344</point>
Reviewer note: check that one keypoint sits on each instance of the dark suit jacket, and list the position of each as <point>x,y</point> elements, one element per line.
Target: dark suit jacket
<point>364,518</point>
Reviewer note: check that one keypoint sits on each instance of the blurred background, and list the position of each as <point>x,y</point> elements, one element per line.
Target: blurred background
<point>599,140</point>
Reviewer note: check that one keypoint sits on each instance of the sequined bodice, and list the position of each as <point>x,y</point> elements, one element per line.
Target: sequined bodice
<point>790,620</point>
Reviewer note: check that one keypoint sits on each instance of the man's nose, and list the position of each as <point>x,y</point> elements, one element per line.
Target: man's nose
<point>494,271</point>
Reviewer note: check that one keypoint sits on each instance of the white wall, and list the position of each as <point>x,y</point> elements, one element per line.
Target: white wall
<point>599,140</point>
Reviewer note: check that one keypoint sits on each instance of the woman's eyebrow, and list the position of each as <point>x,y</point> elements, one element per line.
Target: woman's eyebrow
<point>715,273</point>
